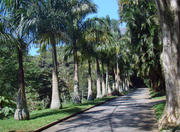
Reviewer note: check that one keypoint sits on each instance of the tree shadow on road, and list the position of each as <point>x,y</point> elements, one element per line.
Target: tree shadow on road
<point>129,113</point>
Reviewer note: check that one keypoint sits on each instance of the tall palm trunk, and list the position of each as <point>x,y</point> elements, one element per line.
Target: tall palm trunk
<point>119,86</point>
<point>98,79</point>
<point>103,82</point>
<point>117,77</point>
<point>170,24</point>
<point>113,80</point>
<point>76,78</point>
<point>90,96</point>
<point>107,80</point>
<point>55,101</point>
<point>21,112</point>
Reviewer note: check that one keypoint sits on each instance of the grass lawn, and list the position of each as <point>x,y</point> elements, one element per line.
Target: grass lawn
<point>159,107</point>
<point>159,111</point>
<point>44,117</point>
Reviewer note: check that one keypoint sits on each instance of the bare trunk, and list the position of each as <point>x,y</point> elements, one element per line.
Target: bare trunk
<point>55,101</point>
<point>119,84</point>
<point>107,80</point>
<point>123,85</point>
<point>98,80</point>
<point>21,112</point>
<point>114,81</point>
<point>90,96</point>
<point>103,82</point>
<point>76,78</point>
<point>169,13</point>
<point>126,85</point>
<point>117,77</point>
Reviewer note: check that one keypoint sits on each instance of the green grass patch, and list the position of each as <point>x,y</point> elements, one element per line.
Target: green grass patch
<point>159,108</point>
<point>160,98</point>
<point>43,117</point>
<point>156,95</point>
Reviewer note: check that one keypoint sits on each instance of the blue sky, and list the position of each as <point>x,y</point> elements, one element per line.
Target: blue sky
<point>105,7</point>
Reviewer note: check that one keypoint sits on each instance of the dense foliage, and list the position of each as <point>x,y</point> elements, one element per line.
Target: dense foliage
<point>95,47</point>
<point>82,58</point>
<point>145,44</point>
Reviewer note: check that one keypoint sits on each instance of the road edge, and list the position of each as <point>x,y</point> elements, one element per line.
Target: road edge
<point>68,117</point>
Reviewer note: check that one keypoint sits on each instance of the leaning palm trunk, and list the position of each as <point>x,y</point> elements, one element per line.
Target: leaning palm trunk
<point>98,80</point>
<point>170,24</point>
<point>21,112</point>
<point>90,96</point>
<point>55,101</point>
<point>76,79</point>
<point>103,82</point>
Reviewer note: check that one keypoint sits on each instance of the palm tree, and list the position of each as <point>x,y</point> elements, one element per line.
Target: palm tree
<point>96,31</point>
<point>107,49</point>
<point>116,34</point>
<point>78,10</point>
<point>21,38</point>
<point>104,92</point>
<point>87,52</point>
<point>48,26</point>
<point>99,39</point>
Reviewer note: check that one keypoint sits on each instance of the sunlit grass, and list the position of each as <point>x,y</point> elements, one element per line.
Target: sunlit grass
<point>44,117</point>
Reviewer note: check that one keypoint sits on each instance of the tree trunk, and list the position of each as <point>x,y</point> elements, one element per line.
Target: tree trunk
<point>76,78</point>
<point>90,96</point>
<point>123,85</point>
<point>98,80</point>
<point>107,80</point>
<point>169,13</point>
<point>21,112</point>
<point>103,82</point>
<point>114,81</point>
<point>118,80</point>
<point>126,85</point>
<point>55,101</point>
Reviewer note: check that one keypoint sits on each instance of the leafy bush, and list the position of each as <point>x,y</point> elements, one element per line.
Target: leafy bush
<point>7,107</point>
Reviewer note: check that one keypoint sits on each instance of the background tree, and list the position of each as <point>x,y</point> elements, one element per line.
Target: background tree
<point>78,10</point>
<point>145,44</point>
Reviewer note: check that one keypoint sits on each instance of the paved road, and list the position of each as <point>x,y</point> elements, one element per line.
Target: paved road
<point>130,113</point>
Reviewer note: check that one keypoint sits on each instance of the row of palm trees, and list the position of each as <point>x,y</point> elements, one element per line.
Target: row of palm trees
<point>102,40</point>
<point>50,22</point>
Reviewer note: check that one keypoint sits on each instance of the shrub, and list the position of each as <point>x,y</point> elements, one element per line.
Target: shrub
<point>7,107</point>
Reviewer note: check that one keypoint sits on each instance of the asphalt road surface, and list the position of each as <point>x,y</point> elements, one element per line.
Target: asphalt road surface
<point>130,113</point>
